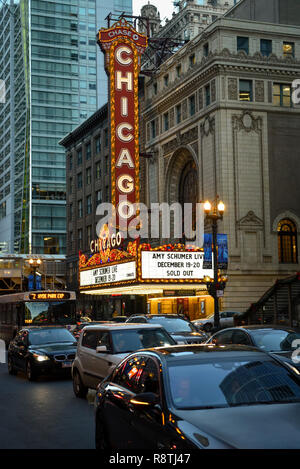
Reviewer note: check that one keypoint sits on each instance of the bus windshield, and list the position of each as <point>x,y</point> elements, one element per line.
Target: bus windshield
<point>50,312</point>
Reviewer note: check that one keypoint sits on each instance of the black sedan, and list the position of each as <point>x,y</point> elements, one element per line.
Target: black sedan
<point>196,397</point>
<point>41,350</point>
<point>280,340</point>
<point>182,330</point>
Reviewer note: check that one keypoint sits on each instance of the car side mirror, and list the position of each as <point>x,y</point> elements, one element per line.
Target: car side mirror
<point>102,349</point>
<point>145,399</point>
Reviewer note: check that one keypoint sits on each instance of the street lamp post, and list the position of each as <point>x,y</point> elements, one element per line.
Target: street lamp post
<point>214,212</point>
<point>35,263</point>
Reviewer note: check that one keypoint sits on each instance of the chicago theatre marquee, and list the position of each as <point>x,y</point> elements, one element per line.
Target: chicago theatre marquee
<point>170,278</point>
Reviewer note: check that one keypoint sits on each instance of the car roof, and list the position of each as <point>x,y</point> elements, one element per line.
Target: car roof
<point>122,326</point>
<point>177,353</point>
<point>39,328</point>
<point>262,327</point>
<point>157,316</point>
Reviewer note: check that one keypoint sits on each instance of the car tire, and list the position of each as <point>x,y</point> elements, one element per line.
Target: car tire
<point>79,389</point>
<point>207,327</point>
<point>11,369</point>
<point>101,437</point>
<point>31,373</point>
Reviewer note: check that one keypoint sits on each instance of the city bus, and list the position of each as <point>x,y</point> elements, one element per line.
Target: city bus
<point>35,308</point>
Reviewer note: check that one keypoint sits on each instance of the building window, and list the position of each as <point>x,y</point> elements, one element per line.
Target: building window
<point>98,144</point>
<point>245,90</point>
<point>287,242</point>
<point>106,165</point>
<point>166,80</point>
<point>71,212</point>
<point>80,212</point>
<point>88,151</point>
<point>192,105</point>
<point>80,238</point>
<point>192,60</point>
<point>98,170</point>
<point>205,49</point>
<point>89,204</point>
<point>153,129</point>
<point>79,157</point>
<point>155,88</point>
<point>71,185</point>
<point>243,44</point>
<point>89,234</point>
<point>289,49</point>
<point>88,175</point>
<point>178,113</point>
<point>99,197</point>
<point>207,95</point>
<point>166,121</point>
<point>79,180</point>
<point>178,71</point>
<point>266,47</point>
<point>70,162</point>
<point>282,95</point>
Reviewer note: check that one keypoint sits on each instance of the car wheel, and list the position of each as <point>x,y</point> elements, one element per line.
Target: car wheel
<point>10,366</point>
<point>101,437</point>
<point>207,327</point>
<point>31,373</point>
<point>79,389</point>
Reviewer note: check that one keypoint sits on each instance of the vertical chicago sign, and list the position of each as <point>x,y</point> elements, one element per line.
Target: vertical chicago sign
<point>123,47</point>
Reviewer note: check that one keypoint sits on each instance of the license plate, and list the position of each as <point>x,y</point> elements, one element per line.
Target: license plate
<point>66,364</point>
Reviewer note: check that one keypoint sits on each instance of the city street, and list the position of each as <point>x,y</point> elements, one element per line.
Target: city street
<point>43,414</point>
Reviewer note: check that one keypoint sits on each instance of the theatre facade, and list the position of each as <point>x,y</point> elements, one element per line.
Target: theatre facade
<point>220,118</point>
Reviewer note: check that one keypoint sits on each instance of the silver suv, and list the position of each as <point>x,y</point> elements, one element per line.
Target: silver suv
<point>102,347</point>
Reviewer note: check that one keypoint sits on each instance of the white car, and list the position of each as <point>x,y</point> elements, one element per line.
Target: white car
<point>226,320</point>
<point>101,347</point>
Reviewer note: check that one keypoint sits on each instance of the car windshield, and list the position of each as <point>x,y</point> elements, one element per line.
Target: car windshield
<point>135,339</point>
<point>275,340</point>
<point>227,382</point>
<point>173,325</point>
<point>48,336</point>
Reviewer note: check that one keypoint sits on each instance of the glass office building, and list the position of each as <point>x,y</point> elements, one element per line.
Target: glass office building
<point>48,64</point>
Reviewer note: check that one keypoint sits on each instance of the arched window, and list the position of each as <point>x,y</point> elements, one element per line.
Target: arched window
<point>188,191</point>
<point>287,242</point>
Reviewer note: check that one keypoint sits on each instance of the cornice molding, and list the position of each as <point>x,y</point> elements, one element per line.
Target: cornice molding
<point>209,68</point>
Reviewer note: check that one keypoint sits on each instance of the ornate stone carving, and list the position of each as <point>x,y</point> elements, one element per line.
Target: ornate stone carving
<point>259,91</point>
<point>200,92</point>
<point>171,116</point>
<point>250,221</point>
<point>189,136</point>
<point>184,109</point>
<point>232,89</point>
<point>247,122</point>
<point>157,126</point>
<point>208,126</point>
<point>170,147</point>
<point>213,90</point>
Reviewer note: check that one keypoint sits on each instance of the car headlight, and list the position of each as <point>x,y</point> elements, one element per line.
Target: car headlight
<point>40,358</point>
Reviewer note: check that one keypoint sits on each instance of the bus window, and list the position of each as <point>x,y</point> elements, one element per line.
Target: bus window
<point>62,312</point>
